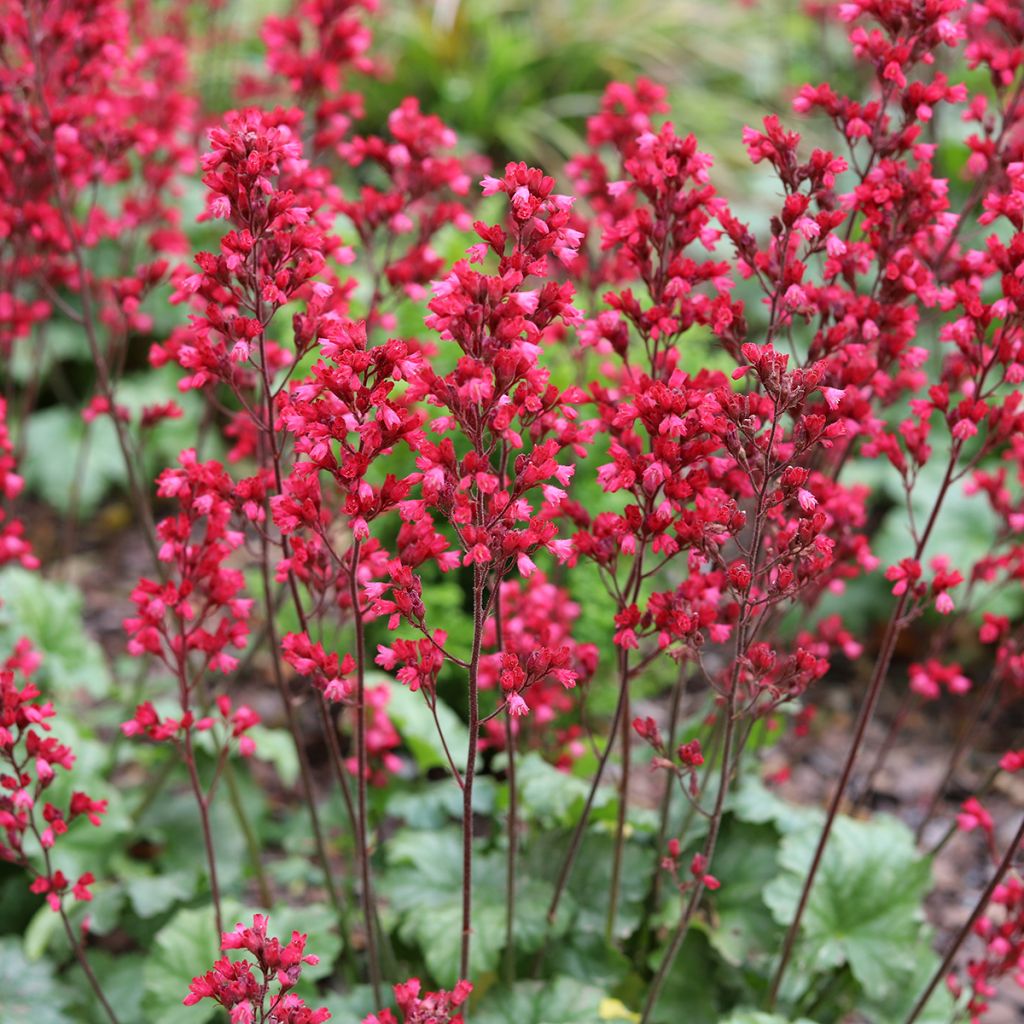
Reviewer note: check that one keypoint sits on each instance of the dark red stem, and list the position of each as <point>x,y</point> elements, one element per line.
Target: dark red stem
<point>967,926</point>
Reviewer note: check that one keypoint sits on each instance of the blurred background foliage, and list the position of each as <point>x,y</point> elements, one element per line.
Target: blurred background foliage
<point>517,80</point>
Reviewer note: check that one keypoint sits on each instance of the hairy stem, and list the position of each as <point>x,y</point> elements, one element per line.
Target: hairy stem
<point>654,897</point>
<point>362,772</point>
<point>511,855</point>
<point>658,982</point>
<point>512,823</point>
<point>305,772</point>
<point>626,733</point>
<point>968,925</point>
<point>577,835</point>
<point>251,842</point>
<point>892,634</point>
<point>204,821</point>
<point>83,961</point>
<point>471,752</point>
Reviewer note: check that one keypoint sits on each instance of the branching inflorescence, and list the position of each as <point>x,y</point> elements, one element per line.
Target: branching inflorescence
<point>628,397</point>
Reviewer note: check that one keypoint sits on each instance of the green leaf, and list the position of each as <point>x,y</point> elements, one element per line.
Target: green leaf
<point>693,988</point>
<point>49,614</point>
<point>415,723</point>
<point>63,341</point>
<point>562,1001</point>
<point>29,991</point>
<point>435,805</point>
<point>154,894</point>
<point>353,1005</point>
<point>587,957</point>
<point>53,466</point>
<point>41,929</point>
<point>185,947</point>
<point>277,747</point>
<point>424,889</point>
<point>172,823</point>
<point>119,975</point>
<point>549,796</point>
<point>590,881</point>
<point>439,937</point>
<point>757,1017</point>
<point>940,1007</point>
<point>56,465</point>
<point>743,931</point>
<point>864,910</point>
<point>754,802</point>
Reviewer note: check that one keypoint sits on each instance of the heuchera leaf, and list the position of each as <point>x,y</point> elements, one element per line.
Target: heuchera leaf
<point>742,930</point>
<point>757,1017</point>
<point>424,890</point>
<point>561,1001</point>
<point>49,615</point>
<point>865,908</point>
<point>415,723</point>
<point>29,993</point>
<point>186,946</point>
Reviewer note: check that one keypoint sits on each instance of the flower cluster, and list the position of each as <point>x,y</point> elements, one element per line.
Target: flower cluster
<point>260,183</point>
<point>13,545</point>
<point>631,415</point>
<point>1001,930</point>
<point>233,724</point>
<point>541,663</point>
<point>31,758</point>
<point>198,610</point>
<point>419,190</point>
<point>258,989</point>
<point>85,105</point>
<point>698,876</point>
<point>430,1008</point>
<point>688,757</point>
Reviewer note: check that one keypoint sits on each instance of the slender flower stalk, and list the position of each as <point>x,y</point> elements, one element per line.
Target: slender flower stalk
<point>362,774</point>
<point>966,928</point>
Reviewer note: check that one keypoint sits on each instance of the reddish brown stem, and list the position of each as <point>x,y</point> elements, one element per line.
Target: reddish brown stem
<point>683,927</point>
<point>666,799</point>
<point>513,813</point>
<point>892,635</point>
<point>204,821</point>
<point>76,946</point>
<point>577,836</point>
<point>252,844</point>
<point>362,772</point>
<point>968,925</point>
<point>468,778</point>
<point>305,772</point>
<point>981,704</point>
<point>83,961</point>
<point>511,855</point>
<point>626,733</point>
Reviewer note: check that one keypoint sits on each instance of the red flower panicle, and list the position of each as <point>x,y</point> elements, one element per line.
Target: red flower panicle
<point>429,1008</point>
<point>258,987</point>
